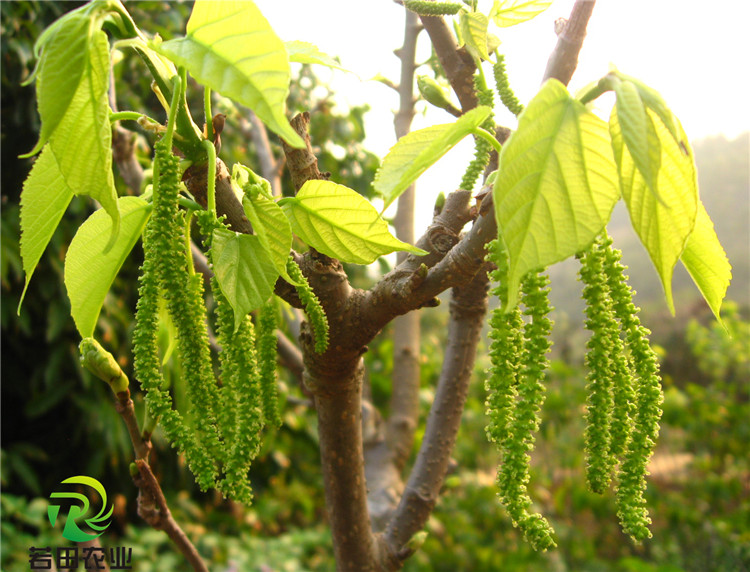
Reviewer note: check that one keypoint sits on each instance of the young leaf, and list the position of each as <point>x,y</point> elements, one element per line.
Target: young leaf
<point>61,68</point>
<point>512,12</point>
<point>231,48</point>
<point>638,132</point>
<point>707,262</point>
<point>473,27</point>
<point>82,142</point>
<point>340,223</point>
<point>307,53</point>
<point>414,153</point>
<point>44,199</point>
<point>557,184</point>
<point>89,271</point>
<point>271,227</point>
<point>245,273</point>
<point>663,224</point>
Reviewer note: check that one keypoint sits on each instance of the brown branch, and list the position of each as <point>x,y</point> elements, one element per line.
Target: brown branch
<point>269,166</point>
<point>152,507</point>
<point>458,65</point>
<point>123,154</point>
<point>564,59</point>
<point>468,306</point>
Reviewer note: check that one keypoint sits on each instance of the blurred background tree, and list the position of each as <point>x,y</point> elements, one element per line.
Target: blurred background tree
<point>56,415</point>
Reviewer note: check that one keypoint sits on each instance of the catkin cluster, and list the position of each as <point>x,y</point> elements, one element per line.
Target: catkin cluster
<point>482,148</point>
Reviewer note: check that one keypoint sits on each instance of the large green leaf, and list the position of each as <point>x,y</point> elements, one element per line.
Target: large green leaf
<point>245,273</point>
<point>415,152</point>
<point>307,53</point>
<point>707,262</point>
<point>557,183</point>
<point>511,12</point>
<point>271,227</point>
<point>89,271</point>
<point>231,48</point>
<point>341,223</point>
<point>473,27</point>
<point>664,223</point>
<point>44,199</point>
<point>60,70</point>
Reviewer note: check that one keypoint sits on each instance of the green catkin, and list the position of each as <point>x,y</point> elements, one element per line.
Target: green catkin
<point>482,148</point>
<point>513,476</point>
<point>147,363</point>
<point>240,415</point>
<point>600,404</point>
<point>503,87</point>
<point>267,364</point>
<point>631,504</point>
<point>184,295</point>
<point>428,8</point>
<point>313,309</point>
<point>505,352</point>
<point>516,393</point>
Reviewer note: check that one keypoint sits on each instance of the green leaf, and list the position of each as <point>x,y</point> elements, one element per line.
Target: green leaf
<point>663,224</point>
<point>557,183</point>
<point>415,152</point>
<point>271,227</point>
<point>60,71</point>
<point>638,132</point>
<point>231,48</point>
<point>44,199</point>
<point>473,27</point>
<point>82,142</point>
<point>512,12</point>
<point>245,273</point>
<point>89,272</point>
<point>653,100</point>
<point>707,262</point>
<point>340,223</point>
<point>307,53</point>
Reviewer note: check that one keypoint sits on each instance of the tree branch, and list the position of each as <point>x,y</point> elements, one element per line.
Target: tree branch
<point>564,59</point>
<point>269,166</point>
<point>468,307</point>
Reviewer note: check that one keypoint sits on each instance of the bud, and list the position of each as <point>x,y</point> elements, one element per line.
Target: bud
<point>434,94</point>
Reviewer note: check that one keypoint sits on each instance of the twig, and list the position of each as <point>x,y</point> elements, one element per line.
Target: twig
<point>152,507</point>
<point>269,167</point>
<point>564,59</point>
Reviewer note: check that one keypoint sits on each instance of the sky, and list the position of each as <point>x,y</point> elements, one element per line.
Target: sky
<point>696,54</point>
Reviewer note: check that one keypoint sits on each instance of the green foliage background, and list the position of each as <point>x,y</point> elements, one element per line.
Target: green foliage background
<point>58,421</point>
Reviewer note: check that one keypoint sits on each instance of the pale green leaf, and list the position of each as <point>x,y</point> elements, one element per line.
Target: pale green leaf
<point>271,227</point>
<point>415,152</point>
<point>245,273</point>
<point>232,48</point>
<point>473,26</point>
<point>82,142</point>
<point>60,70</point>
<point>707,262</point>
<point>653,100</point>
<point>557,184</point>
<point>511,12</point>
<point>307,53</point>
<point>664,223</point>
<point>638,132</point>
<point>89,271</point>
<point>341,223</point>
<point>44,199</point>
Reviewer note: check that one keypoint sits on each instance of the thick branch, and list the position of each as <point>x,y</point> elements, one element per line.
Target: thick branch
<point>564,59</point>
<point>468,307</point>
<point>123,154</point>
<point>458,65</point>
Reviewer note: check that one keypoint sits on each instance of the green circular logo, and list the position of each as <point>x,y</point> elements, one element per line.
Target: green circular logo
<point>79,508</point>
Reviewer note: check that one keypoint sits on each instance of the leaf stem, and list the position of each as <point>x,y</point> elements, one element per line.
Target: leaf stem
<point>487,136</point>
<point>207,113</point>
<point>211,178</point>
<point>607,83</point>
<point>125,116</point>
